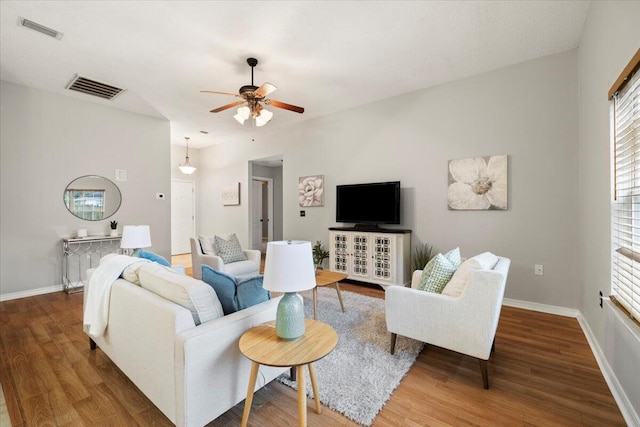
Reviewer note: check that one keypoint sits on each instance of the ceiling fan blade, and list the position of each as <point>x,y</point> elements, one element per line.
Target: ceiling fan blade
<point>220,93</point>
<point>264,90</point>
<point>226,107</point>
<point>279,104</point>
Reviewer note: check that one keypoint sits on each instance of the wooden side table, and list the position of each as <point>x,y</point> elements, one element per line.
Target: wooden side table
<point>261,345</point>
<point>325,278</point>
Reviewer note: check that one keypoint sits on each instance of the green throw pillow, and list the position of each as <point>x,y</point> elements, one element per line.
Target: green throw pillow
<point>454,257</point>
<point>229,250</point>
<point>438,273</point>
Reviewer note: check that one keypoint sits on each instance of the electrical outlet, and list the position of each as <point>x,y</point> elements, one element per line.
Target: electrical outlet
<point>539,270</point>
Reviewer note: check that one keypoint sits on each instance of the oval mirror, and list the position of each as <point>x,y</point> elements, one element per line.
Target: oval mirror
<point>92,197</point>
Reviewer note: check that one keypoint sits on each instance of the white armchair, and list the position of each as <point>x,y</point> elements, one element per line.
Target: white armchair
<point>240,268</point>
<point>466,324</point>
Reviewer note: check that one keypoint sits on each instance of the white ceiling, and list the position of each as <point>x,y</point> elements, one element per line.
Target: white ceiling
<point>325,56</point>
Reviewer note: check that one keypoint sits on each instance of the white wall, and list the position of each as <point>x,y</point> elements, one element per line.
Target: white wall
<point>46,141</point>
<point>527,111</point>
<point>610,38</point>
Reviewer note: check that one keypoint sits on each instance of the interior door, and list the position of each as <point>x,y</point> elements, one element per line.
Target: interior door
<point>182,216</point>
<point>256,214</point>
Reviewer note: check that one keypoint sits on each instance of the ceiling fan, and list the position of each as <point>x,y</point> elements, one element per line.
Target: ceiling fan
<point>252,99</point>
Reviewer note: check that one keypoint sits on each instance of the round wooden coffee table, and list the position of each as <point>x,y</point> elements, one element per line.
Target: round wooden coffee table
<point>325,278</point>
<point>261,345</point>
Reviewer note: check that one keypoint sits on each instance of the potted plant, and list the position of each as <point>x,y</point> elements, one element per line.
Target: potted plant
<point>319,254</point>
<point>114,228</point>
<point>421,255</point>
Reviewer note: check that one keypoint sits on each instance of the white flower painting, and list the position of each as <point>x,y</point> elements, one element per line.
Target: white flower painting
<point>311,190</point>
<point>478,183</point>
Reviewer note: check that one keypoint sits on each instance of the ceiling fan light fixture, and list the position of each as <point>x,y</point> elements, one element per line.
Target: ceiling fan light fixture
<point>244,112</point>
<point>239,118</point>
<point>264,117</point>
<point>253,97</point>
<point>187,168</point>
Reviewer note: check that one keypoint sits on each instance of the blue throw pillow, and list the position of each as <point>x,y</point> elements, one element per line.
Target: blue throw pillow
<point>249,292</point>
<point>224,285</point>
<point>235,293</point>
<point>153,257</point>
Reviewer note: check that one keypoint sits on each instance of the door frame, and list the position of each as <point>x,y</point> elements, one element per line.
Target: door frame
<point>269,206</point>
<point>193,207</point>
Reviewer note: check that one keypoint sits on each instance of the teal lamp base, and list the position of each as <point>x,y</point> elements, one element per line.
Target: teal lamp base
<point>290,317</point>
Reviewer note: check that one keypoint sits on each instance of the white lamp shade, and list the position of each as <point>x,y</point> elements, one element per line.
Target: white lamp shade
<point>187,169</point>
<point>239,118</point>
<point>244,112</point>
<point>135,237</point>
<point>289,267</point>
<point>264,117</point>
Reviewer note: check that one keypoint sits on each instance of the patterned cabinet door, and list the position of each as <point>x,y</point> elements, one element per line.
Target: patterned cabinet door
<point>340,252</point>
<point>383,249</point>
<point>360,245</point>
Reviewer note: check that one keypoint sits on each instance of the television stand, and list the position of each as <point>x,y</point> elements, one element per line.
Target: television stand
<point>372,227</point>
<point>371,254</point>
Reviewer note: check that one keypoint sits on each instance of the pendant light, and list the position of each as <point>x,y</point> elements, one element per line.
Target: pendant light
<point>187,169</point>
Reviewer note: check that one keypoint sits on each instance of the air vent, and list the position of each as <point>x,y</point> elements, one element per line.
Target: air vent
<point>92,87</point>
<point>40,28</point>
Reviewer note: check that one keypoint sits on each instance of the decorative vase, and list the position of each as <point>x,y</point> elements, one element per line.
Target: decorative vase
<point>114,233</point>
<point>290,317</point>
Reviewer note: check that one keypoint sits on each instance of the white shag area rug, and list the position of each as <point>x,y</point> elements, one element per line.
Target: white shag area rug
<point>359,375</point>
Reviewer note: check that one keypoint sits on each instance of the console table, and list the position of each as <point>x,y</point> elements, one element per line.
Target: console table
<point>81,253</point>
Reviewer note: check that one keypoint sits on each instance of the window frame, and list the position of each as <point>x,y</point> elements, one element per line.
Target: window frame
<point>625,261</point>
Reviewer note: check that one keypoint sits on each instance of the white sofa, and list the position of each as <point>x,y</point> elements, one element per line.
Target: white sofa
<point>240,268</point>
<point>466,323</point>
<point>193,374</point>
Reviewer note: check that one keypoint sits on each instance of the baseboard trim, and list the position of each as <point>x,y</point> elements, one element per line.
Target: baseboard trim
<point>629,414</point>
<point>31,292</point>
<point>543,308</point>
<point>624,404</point>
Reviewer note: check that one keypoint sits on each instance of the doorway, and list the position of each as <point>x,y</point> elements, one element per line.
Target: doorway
<point>265,201</point>
<point>261,212</point>
<point>182,216</point>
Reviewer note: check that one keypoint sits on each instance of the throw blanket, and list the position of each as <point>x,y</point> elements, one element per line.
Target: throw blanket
<point>96,309</point>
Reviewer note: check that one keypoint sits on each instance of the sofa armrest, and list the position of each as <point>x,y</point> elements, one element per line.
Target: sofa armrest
<point>466,324</point>
<point>212,261</point>
<point>415,279</point>
<point>253,255</point>
<point>212,374</point>
<point>140,340</point>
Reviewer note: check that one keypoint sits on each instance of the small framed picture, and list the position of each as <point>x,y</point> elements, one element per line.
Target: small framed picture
<point>311,191</point>
<point>231,195</point>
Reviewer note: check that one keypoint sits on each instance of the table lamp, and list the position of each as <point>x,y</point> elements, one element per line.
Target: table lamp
<point>135,237</point>
<point>289,268</point>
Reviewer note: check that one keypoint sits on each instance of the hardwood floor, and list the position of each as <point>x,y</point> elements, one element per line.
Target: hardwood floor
<point>542,374</point>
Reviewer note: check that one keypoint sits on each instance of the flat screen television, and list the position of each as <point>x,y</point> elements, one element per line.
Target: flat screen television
<point>368,204</point>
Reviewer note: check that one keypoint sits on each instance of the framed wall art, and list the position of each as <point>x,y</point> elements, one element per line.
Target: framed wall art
<point>311,190</point>
<point>231,195</point>
<point>478,183</point>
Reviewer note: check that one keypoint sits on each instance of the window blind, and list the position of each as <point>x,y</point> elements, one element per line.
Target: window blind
<point>625,212</point>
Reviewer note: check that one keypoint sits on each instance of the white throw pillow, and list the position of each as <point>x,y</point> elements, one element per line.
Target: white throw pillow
<point>130,273</point>
<point>206,243</point>
<point>461,277</point>
<point>487,260</point>
<point>192,294</point>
